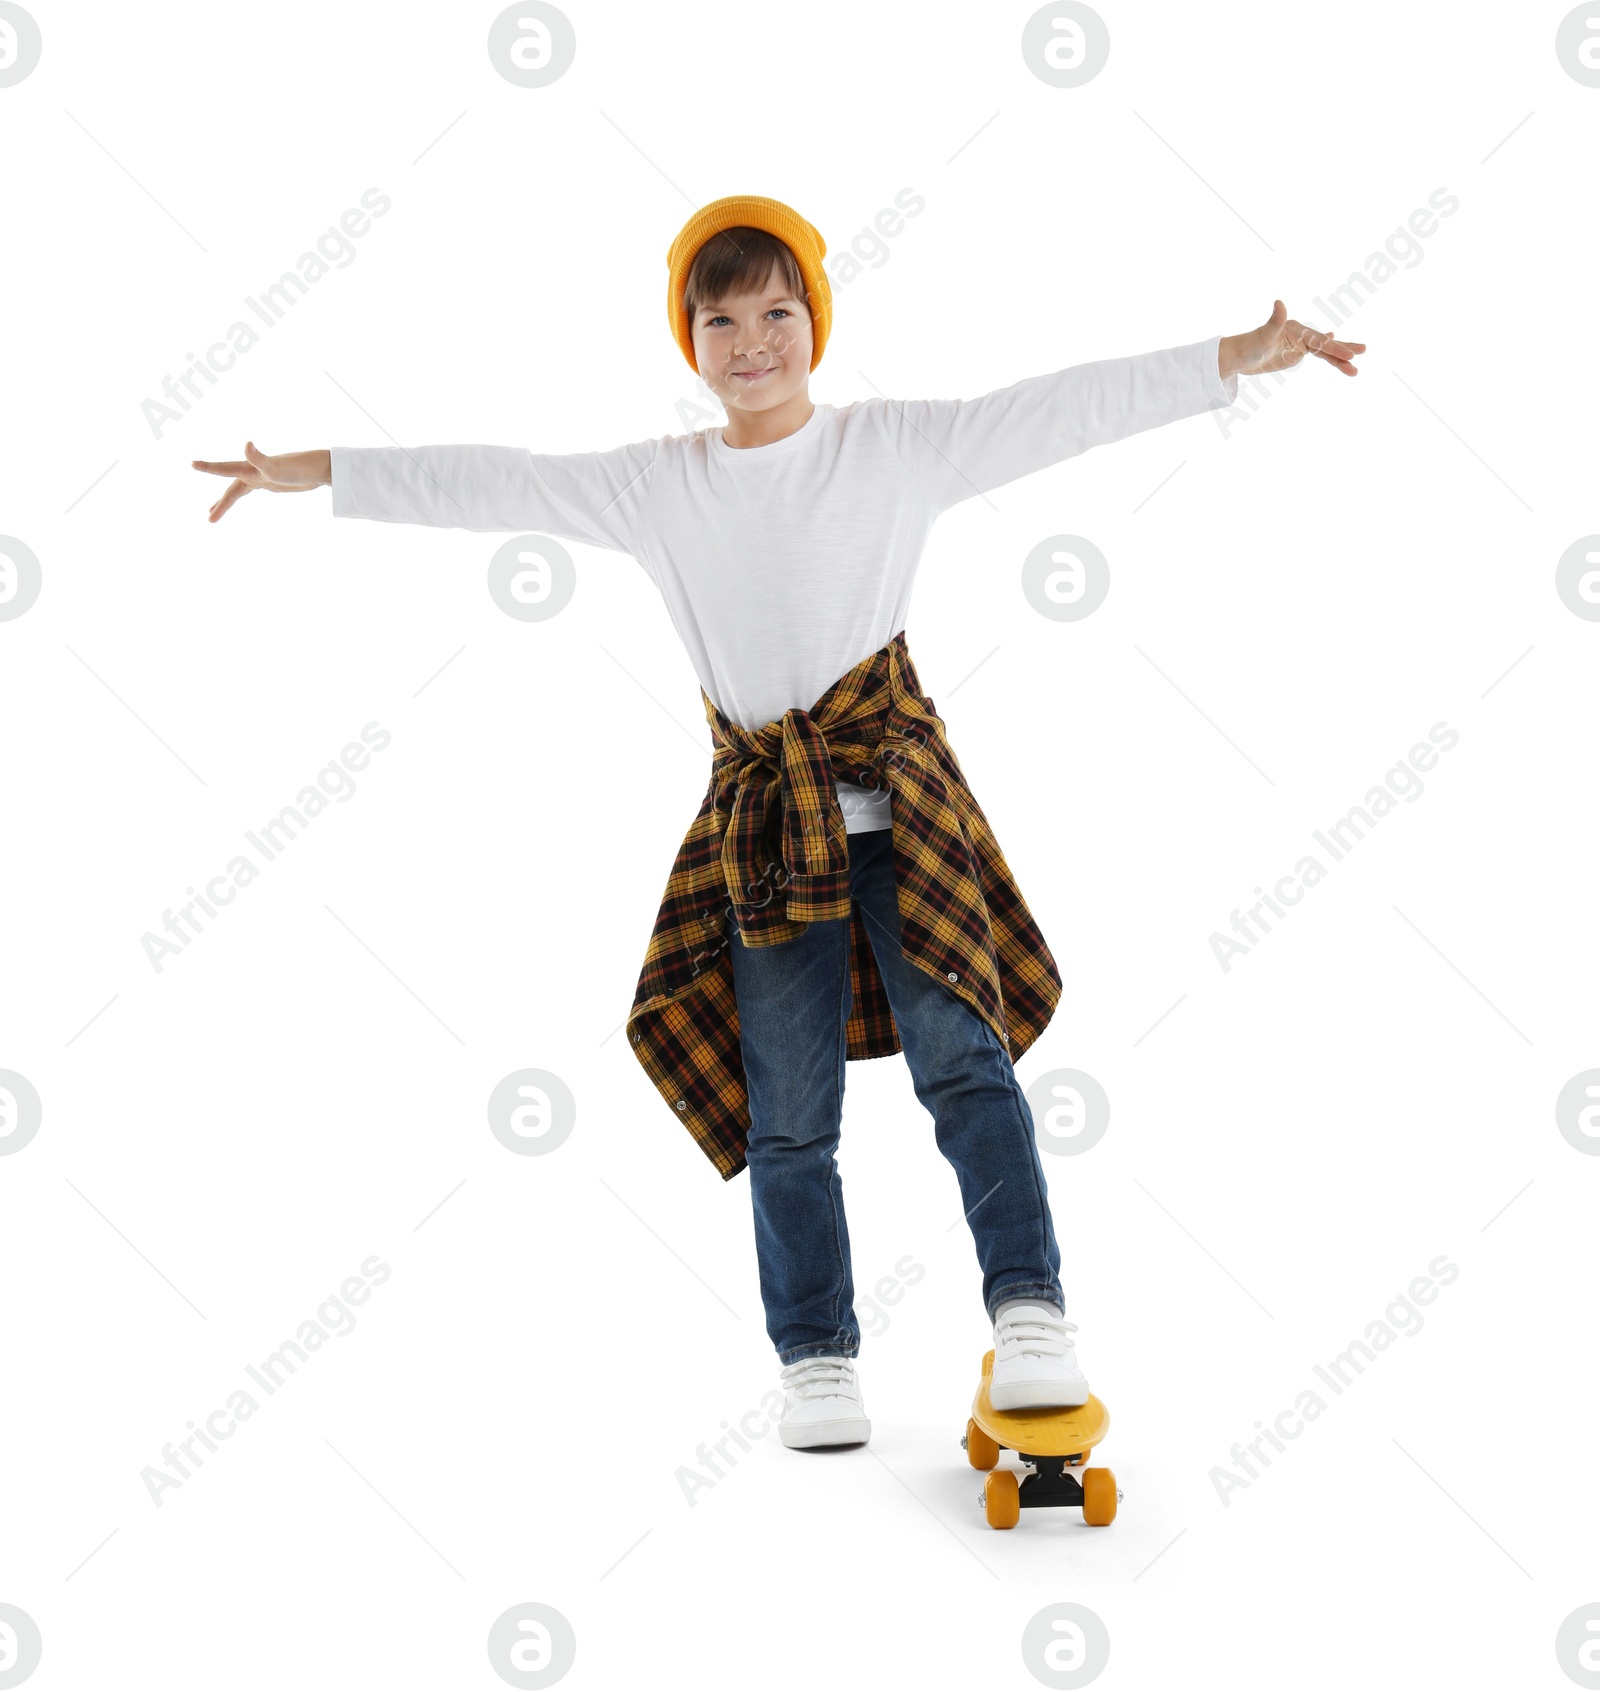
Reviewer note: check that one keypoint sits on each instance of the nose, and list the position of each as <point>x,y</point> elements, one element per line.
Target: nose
<point>751,346</point>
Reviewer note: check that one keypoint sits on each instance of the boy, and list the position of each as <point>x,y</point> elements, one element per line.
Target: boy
<point>839,894</point>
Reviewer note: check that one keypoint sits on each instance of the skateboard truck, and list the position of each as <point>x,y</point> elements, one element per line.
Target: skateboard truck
<point>1049,1484</point>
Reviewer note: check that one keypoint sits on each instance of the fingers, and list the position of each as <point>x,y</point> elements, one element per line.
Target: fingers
<point>1318,340</point>
<point>253,464</point>
<point>1337,353</point>
<point>235,492</point>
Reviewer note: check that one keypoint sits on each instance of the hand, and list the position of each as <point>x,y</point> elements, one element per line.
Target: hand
<point>284,472</point>
<point>1279,344</point>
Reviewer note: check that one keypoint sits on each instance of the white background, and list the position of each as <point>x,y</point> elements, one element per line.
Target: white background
<point>226,1140</point>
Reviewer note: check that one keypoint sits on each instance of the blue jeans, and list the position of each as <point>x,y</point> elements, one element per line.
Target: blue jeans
<point>794,1002</point>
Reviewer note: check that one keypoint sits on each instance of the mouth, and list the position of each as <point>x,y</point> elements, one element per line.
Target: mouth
<point>753,376</point>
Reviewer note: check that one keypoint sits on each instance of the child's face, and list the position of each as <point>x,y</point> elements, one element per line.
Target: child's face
<point>768,330</point>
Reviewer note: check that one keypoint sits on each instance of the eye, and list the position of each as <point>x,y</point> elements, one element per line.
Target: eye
<point>711,323</point>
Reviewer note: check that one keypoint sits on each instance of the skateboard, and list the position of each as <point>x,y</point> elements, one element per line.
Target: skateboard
<point>1054,1442</point>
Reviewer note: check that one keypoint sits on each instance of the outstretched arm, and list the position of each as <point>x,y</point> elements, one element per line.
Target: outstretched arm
<point>955,449</point>
<point>595,497</point>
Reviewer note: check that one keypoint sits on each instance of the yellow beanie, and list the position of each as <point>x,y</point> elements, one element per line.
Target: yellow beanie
<point>753,211</point>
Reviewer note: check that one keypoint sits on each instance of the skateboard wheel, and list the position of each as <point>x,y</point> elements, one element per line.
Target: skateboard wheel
<point>1000,1506</point>
<point>1100,1497</point>
<point>982,1452</point>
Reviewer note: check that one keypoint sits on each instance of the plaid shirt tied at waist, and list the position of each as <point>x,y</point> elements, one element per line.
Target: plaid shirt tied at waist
<point>769,842</point>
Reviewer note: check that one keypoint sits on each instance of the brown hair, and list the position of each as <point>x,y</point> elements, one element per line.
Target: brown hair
<point>738,261</point>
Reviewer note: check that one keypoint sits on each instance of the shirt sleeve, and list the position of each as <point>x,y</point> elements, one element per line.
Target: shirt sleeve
<point>597,497</point>
<point>955,449</point>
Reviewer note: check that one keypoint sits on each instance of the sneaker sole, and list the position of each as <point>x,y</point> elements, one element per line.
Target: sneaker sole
<point>843,1430</point>
<point>1037,1395</point>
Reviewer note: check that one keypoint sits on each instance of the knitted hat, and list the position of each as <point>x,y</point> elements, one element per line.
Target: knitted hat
<point>754,211</point>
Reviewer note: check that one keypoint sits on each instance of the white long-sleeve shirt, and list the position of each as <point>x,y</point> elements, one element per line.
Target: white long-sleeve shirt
<point>784,565</point>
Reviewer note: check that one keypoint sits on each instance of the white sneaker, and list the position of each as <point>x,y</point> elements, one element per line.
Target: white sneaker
<point>822,1403</point>
<point>1035,1364</point>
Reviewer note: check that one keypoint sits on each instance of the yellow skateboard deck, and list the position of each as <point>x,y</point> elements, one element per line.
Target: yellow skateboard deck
<point>1054,1442</point>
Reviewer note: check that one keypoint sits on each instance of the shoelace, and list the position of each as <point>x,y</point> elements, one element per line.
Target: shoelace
<point>821,1377</point>
<point>1021,1333</point>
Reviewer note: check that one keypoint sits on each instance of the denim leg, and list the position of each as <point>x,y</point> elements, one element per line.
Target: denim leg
<point>794,1002</point>
<point>965,1079</point>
